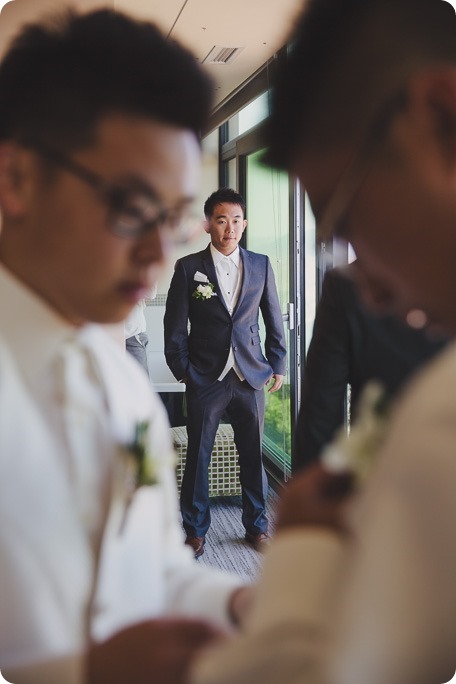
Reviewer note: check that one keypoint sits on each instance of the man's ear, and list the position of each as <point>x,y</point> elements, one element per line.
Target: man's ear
<point>245,225</point>
<point>206,226</point>
<point>432,98</point>
<point>13,179</point>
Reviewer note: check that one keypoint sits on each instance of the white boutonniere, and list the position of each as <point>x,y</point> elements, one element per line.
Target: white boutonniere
<point>357,450</point>
<point>204,291</point>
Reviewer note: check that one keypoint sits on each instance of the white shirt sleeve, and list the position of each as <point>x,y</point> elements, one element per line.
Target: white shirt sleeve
<point>149,571</point>
<point>69,670</point>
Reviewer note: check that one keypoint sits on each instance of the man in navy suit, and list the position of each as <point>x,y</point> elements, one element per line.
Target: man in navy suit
<point>220,291</point>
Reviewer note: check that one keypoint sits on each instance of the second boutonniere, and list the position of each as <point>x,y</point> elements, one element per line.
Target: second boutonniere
<point>140,466</point>
<point>142,462</point>
<point>357,451</point>
<point>204,291</point>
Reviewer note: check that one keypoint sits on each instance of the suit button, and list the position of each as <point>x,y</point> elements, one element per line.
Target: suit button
<point>235,348</point>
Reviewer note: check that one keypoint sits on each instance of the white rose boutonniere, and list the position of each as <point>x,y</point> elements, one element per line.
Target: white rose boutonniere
<point>204,291</point>
<point>357,450</point>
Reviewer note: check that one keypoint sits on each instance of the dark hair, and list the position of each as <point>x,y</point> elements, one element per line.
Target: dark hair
<point>60,77</point>
<point>346,57</point>
<point>223,195</point>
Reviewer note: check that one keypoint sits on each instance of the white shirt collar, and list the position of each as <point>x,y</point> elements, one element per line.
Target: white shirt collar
<point>218,256</point>
<point>32,330</point>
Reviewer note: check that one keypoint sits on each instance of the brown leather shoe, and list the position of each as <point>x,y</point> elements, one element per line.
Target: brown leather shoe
<point>259,540</point>
<point>197,544</point>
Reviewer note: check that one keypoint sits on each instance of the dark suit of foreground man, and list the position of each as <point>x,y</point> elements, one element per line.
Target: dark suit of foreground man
<point>222,362</point>
<point>351,345</point>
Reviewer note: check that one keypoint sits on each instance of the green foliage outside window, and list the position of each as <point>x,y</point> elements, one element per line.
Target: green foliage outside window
<point>277,421</point>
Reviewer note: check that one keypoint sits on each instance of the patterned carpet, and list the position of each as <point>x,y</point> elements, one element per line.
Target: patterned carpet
<point>225,545</point>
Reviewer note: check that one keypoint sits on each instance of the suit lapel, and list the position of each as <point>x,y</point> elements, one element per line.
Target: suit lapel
<point>246,274</point>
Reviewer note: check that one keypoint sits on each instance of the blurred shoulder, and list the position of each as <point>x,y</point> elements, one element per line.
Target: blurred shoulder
<point>432,390</point>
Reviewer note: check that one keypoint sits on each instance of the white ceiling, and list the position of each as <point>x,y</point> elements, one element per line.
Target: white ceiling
<point>260,26</point>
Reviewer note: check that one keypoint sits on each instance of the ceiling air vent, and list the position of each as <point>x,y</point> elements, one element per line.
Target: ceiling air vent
<point>222,55</point>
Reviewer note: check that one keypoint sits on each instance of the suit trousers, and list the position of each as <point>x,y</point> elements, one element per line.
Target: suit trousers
<point>244,407</point>
<point>136,346</point>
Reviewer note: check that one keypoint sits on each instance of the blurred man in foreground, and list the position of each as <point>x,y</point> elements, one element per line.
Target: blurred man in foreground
<point>99,153</point>
<point>365,115</point>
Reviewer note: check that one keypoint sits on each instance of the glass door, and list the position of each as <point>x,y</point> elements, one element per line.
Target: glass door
<point>269,206</point>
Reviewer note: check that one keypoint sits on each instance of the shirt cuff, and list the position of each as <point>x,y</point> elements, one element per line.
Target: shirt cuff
<point>210,597</point>
<point>301,572</point>
<point>70,670</point>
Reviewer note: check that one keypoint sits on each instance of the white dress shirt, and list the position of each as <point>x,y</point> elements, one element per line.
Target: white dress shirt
<point>229,276</point>
<point>383,608</point>
<point>71,564</point>
<point>136,323</point>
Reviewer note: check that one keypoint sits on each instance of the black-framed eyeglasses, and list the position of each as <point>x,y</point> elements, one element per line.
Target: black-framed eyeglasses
<point>349,183</point>
<point>132,212</point>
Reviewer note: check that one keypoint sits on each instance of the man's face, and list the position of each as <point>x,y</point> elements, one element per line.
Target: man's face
<point>226,226</point>
<point>65,250</point>
<point>400,222</point>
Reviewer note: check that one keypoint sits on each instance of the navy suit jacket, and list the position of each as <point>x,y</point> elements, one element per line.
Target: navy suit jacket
<point>200,353</point>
